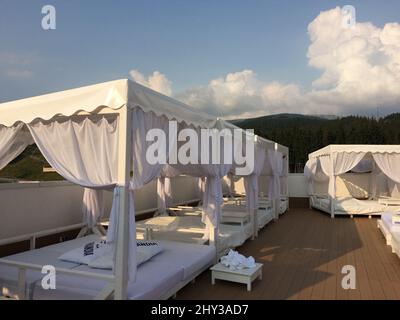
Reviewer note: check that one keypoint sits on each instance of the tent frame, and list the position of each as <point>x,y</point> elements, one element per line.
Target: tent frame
<point>329,150</point>
<point>117,93</point>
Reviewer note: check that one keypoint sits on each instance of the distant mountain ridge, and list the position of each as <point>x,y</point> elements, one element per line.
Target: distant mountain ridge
<point>304,134</point>
<point>287,116</point>
<point>301,133</point>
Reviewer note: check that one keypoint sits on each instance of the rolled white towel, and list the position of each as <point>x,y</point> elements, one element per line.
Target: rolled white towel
<point>235,261</point>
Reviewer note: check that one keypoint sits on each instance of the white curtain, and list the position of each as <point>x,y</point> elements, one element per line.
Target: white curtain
<point>231,184</point>
<point>389,165</point>
<point>164,195</point>
<point>327,169</point>
<point>88,157</point>
<point>346,161</point>
<point>393,188</point>
<point>202,187</point>
<point>212,197</point>
<point>164,189</point>
<point>309,172</point>
<point>251,181</point>
<point>314,173</point>
<point>275,161</point>
<point>83,152</point>
<point>342,162</point>
<point>374,189</point>
<point>92,206</point>
<point>142,171</point>
<point>284,177</point>
<point>365,165</point>
<point>13,140</point>
<point>325,162</point>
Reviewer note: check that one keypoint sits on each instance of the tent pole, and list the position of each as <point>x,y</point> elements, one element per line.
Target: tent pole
<point>213,238</point>
<point>277,199</point>
<point>124,167</point>
<point>332,181</point>
<point>255,223</point>
<point>214,230</point>
<point>287,179</point>
<point>255,211</point>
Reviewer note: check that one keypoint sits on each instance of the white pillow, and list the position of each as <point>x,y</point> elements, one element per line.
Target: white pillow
<point>146,249</point>
<point>104,261</point>
<point>86,253</point>
<point>101,257</point>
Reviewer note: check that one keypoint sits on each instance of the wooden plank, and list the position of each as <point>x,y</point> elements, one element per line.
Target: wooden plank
<point>303,254</point>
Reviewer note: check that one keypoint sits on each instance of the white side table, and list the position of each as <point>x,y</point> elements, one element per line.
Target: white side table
<point>246,276</point>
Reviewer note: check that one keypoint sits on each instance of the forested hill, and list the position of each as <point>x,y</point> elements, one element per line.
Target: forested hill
<point>304,134</point>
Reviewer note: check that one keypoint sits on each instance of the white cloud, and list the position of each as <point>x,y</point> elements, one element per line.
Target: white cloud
<point>360,66</point>
<point>242,94</point>
<point>18,73</point>
<point>360,71</point>
<point>157,81</point>
<point>14,65</point>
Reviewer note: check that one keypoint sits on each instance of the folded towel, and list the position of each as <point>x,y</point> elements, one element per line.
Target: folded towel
<point>235,261</point>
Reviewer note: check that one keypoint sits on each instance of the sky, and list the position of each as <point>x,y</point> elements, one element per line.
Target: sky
<point>231,58</point>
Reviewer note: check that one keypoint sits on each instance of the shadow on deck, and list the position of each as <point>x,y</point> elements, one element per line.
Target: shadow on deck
<point>303,255</point>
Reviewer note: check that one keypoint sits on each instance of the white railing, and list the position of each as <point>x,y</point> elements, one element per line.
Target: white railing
<point>34,235</point>
<point>24,266</point>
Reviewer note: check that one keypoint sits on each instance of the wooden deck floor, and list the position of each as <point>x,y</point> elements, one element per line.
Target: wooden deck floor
<point>303,255</point>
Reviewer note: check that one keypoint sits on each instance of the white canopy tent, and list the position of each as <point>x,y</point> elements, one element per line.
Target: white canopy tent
<point>278,188</point>
<point>276,168</point>
<point>95,136</point>
<point>268,160</point>
<point>102,130</point>
<point>334,160</point>
<point>251,187</point>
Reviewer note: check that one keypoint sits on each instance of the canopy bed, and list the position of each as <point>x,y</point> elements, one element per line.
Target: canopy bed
<point>327,164</point>
<point>95,137</point>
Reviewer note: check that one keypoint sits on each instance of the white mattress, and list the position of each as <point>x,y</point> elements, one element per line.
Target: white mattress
<point>350,205</point>
<point>283,206</point>
<point>234,235</point>
<point>263,217</point>
<point>233,207</point>
<point>177,263</point>
<point>46,255</point>
<point>386,218</point>
<point>228,208</point>
<point>325,203</point>
<point>354,206</point>
<point>191,227</point>
<point>197,211</point>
